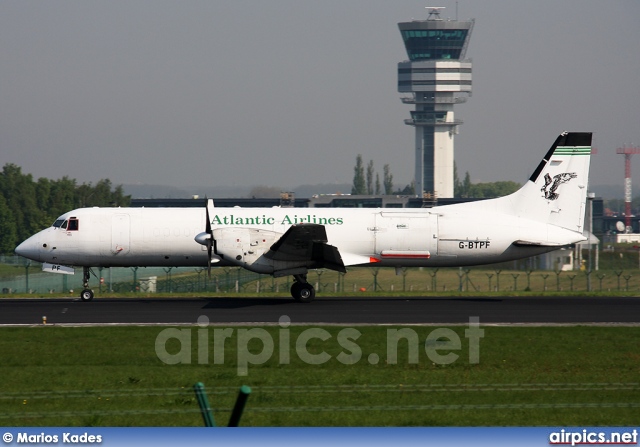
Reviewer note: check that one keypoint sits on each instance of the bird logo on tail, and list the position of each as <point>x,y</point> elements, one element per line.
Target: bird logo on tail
<point>552,184</point>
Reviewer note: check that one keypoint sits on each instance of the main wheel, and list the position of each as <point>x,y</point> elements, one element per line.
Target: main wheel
<point>303,292</point>
<point>86,295</point>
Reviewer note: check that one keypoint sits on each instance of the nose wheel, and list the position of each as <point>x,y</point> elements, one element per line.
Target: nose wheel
<point>87,293</point>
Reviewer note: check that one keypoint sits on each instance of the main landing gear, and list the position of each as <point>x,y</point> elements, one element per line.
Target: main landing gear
<point>301,290</point>
<point>87,293</point>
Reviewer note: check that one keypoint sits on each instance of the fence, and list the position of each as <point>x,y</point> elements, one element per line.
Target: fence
<point>20,277</point>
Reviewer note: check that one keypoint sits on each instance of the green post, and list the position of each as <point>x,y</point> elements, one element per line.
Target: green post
<point>168,287</point>
<point>405,272</point>
<point>236,414</point>
<point>135,279</point>
<point>434,280</point>
<point>515,281</point>
<point>205,408</point>
<point>489,275</point>
<point>375,273</point>
<point>26,271</point>
<point>544,277</point>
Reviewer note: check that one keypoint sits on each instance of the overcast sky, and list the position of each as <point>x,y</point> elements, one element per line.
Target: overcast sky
<point>288,92</point>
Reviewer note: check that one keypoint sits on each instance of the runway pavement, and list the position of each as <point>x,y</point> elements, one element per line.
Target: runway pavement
<point>365,310</point>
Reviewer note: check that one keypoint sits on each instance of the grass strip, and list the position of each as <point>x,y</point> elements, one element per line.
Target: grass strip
<point>525,376</point>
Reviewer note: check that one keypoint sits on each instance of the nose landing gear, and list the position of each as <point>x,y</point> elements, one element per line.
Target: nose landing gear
<point>87,293</point>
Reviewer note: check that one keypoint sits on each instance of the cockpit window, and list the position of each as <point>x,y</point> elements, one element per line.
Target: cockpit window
<point>74,224</point>
<point>71,224</point>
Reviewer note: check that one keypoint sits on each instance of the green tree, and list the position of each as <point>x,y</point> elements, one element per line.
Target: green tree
<point>457,186</point>
<point>62,197</point>
<point>486,190</point>
<point>19,191</point>
<point>409,190</point>
<point>466,186</point>
<point>387,180</point>
<point>493,189</point>
<point>27,207</point>
<point>359,185</point>
<point>119,198</point>
<point>8,230</point>
<point>370,177</point>
<point>43,193</point>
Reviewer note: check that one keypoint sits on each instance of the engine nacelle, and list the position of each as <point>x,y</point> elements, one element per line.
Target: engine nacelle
<point>246,247</point>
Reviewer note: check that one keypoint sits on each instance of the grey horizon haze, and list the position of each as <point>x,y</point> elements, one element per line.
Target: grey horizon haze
<point>285,93</point>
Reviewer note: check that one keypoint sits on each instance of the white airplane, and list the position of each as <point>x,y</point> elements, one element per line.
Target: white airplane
<point>548,212</point>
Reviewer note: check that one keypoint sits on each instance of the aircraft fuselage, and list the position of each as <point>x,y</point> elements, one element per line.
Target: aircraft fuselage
<point>121,237</point>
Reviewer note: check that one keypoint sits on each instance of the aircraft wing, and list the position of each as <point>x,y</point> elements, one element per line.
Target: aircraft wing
<point>307,243</point>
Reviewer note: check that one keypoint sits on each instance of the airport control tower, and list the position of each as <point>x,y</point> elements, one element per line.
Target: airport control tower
<point>436,75</point>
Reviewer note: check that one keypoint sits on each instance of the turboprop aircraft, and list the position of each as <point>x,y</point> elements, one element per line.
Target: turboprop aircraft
<point>548,212</point>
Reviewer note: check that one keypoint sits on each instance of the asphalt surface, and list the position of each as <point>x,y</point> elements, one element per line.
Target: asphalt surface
<point>378,310</point>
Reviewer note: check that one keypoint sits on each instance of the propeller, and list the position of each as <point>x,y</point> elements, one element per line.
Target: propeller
<point>206,238</point>
<point>209,242</point>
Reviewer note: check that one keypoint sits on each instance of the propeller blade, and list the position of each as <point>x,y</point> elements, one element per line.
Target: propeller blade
<point>210,239</point>
<point>208,224</point>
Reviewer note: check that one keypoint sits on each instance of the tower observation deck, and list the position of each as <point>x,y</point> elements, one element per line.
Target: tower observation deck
<point>435,76</point>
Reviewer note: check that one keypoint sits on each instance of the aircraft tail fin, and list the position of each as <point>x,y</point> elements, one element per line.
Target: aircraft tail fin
<point>556,192</point>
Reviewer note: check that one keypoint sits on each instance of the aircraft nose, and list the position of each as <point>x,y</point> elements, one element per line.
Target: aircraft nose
<point>29,249</point>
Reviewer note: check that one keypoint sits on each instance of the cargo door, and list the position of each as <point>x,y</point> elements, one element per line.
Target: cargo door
<point>406,235</point>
